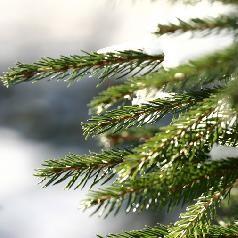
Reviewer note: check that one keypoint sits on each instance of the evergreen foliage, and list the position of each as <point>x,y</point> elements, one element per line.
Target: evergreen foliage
<point>81,167</point>
<point>218,68</point>
<point>167,165</point>
<point>75,67</point>
<point>198,24</point>
<point>129,116</point>
<point>162,231</point>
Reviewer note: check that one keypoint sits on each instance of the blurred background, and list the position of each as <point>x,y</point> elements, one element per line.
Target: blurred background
<point>43,120</point>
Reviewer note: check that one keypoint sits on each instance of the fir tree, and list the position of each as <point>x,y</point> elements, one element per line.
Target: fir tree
<point>165,165</point>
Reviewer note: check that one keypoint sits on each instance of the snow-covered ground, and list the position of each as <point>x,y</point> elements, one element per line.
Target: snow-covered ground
<point>27,210</point>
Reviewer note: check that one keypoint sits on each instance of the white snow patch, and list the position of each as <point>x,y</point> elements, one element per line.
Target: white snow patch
<point>149,45</point>
<point>146,95</point>
<point>19,158</point>
<point>219,152</point>
<point>176,49</point>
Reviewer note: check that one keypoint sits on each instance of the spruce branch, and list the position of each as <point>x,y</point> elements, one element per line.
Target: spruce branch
<point>232,92</point>
<point>197,218</point>
<point>165,187</point>
<point>74,67</point>
<point>79,169</point>
<point>160,231</point>
<point>198,24</point>
<point>192,133</point>
<point>129,116</point>
<point>73,166</point>
<point>168,165</point>
<point>215,68</point>
<point>230,231</point>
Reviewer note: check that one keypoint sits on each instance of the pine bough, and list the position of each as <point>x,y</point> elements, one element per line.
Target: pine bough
<point>172,165</point>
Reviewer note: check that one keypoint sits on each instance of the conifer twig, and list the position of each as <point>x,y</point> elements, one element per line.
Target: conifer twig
<point>197,218</point>
<point>217,67</point>
<point>75,67</point>
<point>79,169</point>
<point>139,115</point>
<point>192,133</point>
<point>161,231</point>
<point>198,24</point>
<point>165,187</point>
<point>158,231</point>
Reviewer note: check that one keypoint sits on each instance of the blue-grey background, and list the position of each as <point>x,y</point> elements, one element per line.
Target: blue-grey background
<point>43,120</point>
